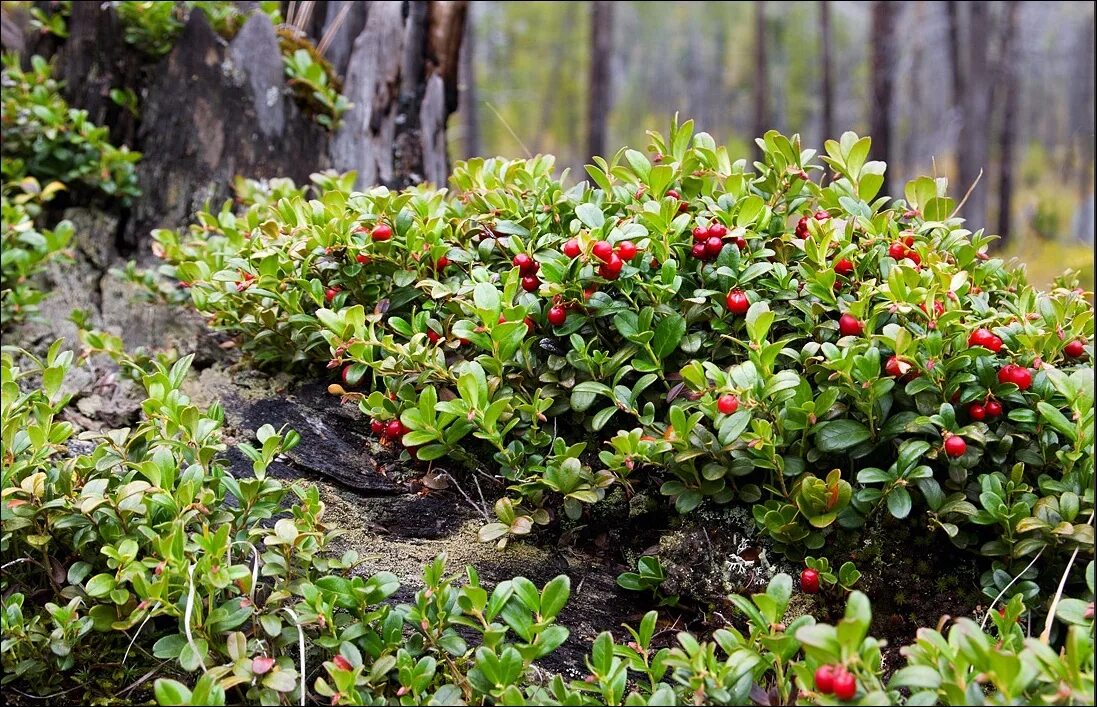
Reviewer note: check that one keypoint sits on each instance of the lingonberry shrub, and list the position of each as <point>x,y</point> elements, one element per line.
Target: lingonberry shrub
<point>649,346</point>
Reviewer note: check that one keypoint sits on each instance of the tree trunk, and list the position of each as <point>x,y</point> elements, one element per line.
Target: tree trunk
<point>974,142</point>
<point>827,126</point>
<point>469,108</point>
<point>954,8</point>
<point>761,118</point>
<point>213,110</point>
<point>1009,87</point>
<point>599,99</point>
<point>883,22</point>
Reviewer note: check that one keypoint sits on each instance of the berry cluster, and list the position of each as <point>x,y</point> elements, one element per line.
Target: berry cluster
<point>708,241</point>
<point>836,680</point>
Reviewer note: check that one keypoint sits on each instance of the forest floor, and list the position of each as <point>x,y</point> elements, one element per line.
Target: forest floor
<point>399,516</point>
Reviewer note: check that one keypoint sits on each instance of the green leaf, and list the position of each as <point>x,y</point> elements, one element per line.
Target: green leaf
<point>171,692</point>
<point>840,435</point>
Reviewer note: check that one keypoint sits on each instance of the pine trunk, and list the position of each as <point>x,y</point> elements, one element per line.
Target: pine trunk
<point>599,99</point>
<point>883,21</point>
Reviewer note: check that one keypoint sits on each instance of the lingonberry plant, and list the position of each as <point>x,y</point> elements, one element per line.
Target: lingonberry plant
<point>26,247</point>
<point>852,331</point>
<point>146,550</point>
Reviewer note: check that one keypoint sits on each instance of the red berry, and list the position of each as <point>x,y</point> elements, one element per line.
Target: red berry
<point>713,246</point>
<point>896,367</point>
<point>843,267</point>
<point>727,404</point>
<point>700,233</point>
<point>330,293</point>
<point>845,685</point>
<point>993,408</point>
<point>673,193</point>
<point>824,679</point>
<point>530,283</point>
<point>433,336</point>
<point>908,241</point>
<point>441,264</point>
<point>984,338</point>
<point>557,315</point>
<point>611,269</point>
<point>603,251</point>
<point>381,232</point>
<point>377,426</point>
<point>530,325</point>
<point>955,446</point>
<point>977,411</point>
<point>897,250</point>
<point>572,249</point>
<point>463,342</point>
<point>362,258</point>
<point>809,581</point>
<point>626,250</point>
<point>717,229</point>
<point>849,325</point>
<point>525,264</point>
<point>737,302</point>
<point>741,244</point>
<point>914,257</point>
<point>802,228</point>
<point>1075,348</point>
<point>393,428</point>
<point>1021,377</point>
<point>698,250</point>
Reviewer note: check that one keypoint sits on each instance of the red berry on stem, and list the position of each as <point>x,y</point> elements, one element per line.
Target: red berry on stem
<point>626,250</point>
<point>557,315</point>
<point>914,257</point>
<point>843,267</point>
<point>727,404</point>
<point>381,232</point>
<point>530,325</point>
<point>717,229</point>
<point>611,269</point>
<point>809,581</point>
<point>977,411</point>
<point>824,679</point>
<point>433,336</point>
<point>908,241</point>
<point>376,426</point>
<point>572,249</point>
<point>955,446</point>
<point>673,193</point>
<point>362,258</point>
<point>392,429</point>
<point>698,250</point>
<point>849,325</point>
<point>896,367</point>
<point>700,233</point>
<point>530,283</point>
<point>737,302</point>
<point>993,408</point>
<point>845,685</point>
<point>441,264</point>
<point>330,293</point>
<point>1021,377</point>
<point>897,250</point>
<point>524,263</point>
<point>713,246</point>
<point>802,227</point>
<point>603,251</point>
<point>1075,348</point>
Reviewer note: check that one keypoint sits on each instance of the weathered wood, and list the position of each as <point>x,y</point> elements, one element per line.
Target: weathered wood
<point>213,112</point>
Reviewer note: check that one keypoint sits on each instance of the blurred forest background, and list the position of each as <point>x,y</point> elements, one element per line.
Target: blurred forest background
<point>943,88</point>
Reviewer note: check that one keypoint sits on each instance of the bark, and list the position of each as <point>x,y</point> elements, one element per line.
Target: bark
<point>469,107</point>
<point>974,133</point>
<point>551,93</point>
<point>599,99</point>
<point>761,117</point>
<point>953,7</point>
<point>1009,87</point>
<point>827,87</point>
<point>883,24</point>
<point>213,110</point>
